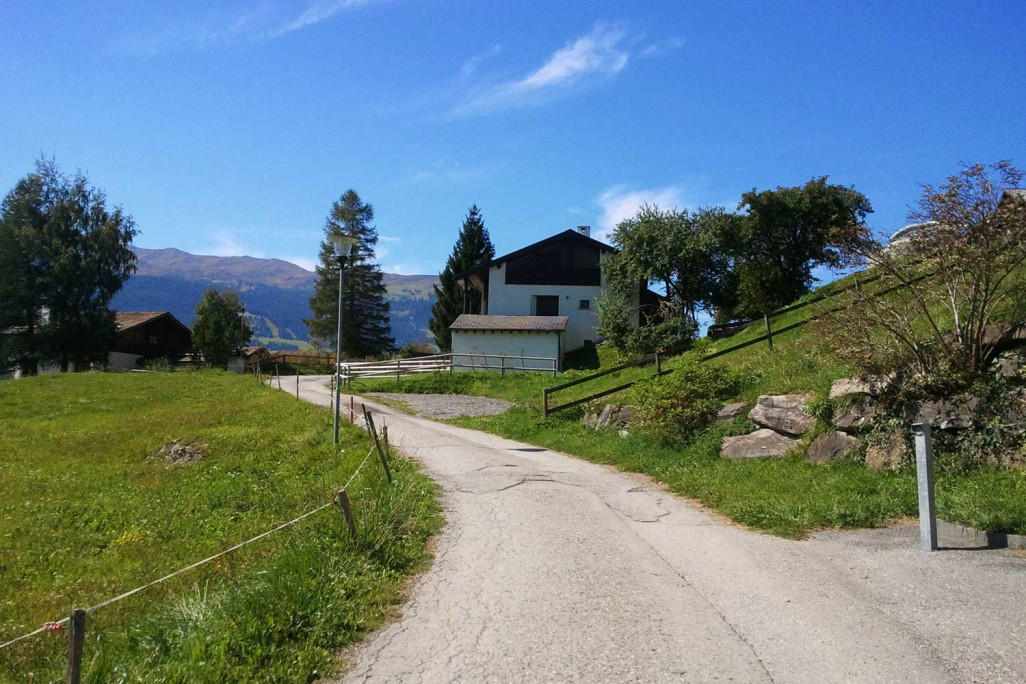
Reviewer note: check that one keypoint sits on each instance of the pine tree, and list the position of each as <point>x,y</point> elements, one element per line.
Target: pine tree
<point>473,248</point>
<point>365,324</point>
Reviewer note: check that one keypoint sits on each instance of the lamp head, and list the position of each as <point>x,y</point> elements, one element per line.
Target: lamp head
<point>343,248</point>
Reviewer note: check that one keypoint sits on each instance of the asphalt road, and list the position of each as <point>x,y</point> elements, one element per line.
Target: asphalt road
<point>553,569</point>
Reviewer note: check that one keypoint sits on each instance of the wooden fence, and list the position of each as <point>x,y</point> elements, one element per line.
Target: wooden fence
<point>767,337</point>
<point>447,363</point>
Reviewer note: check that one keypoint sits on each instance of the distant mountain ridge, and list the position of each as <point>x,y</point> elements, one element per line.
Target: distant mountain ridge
<point>276,293</point>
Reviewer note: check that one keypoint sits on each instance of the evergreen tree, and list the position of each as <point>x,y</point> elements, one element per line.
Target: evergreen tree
<point>365,326</point>
<point>472,249</point>
<point>220,329</point>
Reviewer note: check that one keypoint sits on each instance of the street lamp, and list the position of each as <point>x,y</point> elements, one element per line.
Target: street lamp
<point>343,249</point>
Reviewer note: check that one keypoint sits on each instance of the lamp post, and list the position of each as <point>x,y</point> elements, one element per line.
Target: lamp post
<point>343,250</point>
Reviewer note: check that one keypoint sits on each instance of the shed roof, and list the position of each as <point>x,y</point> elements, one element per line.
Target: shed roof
<point>510,323</point>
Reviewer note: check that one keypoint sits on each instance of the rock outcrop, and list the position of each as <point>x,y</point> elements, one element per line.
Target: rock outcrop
<point>855,417</point>
<point>785,413</point>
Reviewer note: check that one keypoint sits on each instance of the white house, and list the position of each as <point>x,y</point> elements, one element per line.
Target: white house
<point>542,298</point>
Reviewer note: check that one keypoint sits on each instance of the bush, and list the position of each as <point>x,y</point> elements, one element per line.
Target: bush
<point>676,405</point>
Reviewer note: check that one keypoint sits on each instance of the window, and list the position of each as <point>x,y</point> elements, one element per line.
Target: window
<point>584,304</point>
<point>546,305</point>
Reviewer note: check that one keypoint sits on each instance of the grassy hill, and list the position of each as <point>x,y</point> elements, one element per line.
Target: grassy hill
<point>276,293</point>
<point>787,496</point>
<point>86,515</point>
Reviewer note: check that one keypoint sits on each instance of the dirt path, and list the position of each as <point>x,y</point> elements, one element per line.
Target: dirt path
<point>552,569</point>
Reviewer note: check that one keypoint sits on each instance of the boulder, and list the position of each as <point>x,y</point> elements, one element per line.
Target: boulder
<point>623,417</point>
<point>729,412</point>
<point>956,413</point>
<point>856,417</point>
<point>1010,365</point>
<point>760,443</point>
<point>591,421</point>
<point>890,454</point>
<point>830,446</point>
<point>845,386</point>
<point>787,413</point>
<point>605,417</point>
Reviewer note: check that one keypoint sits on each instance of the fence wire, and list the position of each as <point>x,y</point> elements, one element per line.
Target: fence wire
<point>57,625</point>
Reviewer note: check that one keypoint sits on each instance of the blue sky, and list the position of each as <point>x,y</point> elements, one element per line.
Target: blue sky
<point>229,128</point>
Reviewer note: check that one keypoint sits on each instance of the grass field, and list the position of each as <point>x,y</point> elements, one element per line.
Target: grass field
<point>85,515</point>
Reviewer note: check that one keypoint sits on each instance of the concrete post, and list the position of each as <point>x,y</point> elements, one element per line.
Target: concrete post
<point>924,474</point>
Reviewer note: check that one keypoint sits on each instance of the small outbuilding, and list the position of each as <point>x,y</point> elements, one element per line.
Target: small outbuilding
<point>483,342</point>
<point>146,335</point>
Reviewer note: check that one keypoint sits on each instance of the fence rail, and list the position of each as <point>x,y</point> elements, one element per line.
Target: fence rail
<point>447,363</point>
<point>767,337</point>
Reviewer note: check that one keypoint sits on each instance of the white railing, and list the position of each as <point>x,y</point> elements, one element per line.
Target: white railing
<point>447,363</point>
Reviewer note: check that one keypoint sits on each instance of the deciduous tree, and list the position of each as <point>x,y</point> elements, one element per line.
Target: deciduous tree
<point>787,233</point>
<point>63,256</point>
<point>220,329</point>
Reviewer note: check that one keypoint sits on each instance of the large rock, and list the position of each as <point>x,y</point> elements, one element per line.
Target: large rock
<point>787,413</point>
<point>855,417</point>
<point>830,446</point>
<point>890,454</point>
<point>760,443</point>
<point>956,413</point>
<point>729,412</point>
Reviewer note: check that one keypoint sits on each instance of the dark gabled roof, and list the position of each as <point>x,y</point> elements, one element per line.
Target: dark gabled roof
<point>510,323</point>
<point>126,320</point>
<point>568,234</point>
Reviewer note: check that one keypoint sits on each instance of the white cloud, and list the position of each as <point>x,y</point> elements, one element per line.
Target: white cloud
<point>599,54</point>
<point>303,262</point>
<point>225,242</point>
<point>662,47</point>
<point>471,64</point>
<point>620,202</point>
<point>389,238</point>
<point>256,23</point>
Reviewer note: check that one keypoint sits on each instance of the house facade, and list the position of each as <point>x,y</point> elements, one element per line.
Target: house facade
<point>559,277</point>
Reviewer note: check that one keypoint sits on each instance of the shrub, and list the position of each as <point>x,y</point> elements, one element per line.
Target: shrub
<point>676,405</point>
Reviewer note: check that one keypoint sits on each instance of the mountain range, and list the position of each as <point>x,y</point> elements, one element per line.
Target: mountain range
<point>276,294</point>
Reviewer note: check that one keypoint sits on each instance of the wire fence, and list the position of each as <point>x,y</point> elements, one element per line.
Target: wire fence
<point>74,623</point>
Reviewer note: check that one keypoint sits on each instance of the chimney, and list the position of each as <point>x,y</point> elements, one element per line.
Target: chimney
<point>584,230</point>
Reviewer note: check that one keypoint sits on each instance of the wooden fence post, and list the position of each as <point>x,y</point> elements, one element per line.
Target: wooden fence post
<point>76,642</point>
<point>342,499</point>
<point>502,363</point>
<point>377,445</point>
<point>659,365</point>
<point>398,369</point>
<point>769,331</point>
<point>352,410</point>
<point>545,402</point>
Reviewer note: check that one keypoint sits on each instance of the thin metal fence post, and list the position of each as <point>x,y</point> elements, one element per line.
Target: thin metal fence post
<point>545,402</point>
<point>297,383</point>
<point>924,476</point>
<point>76,642</point>
<point>769,331</point>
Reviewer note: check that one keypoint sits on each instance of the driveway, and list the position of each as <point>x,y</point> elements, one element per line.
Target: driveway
<point>553,569</point>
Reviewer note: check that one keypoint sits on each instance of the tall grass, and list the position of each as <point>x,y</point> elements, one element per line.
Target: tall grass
<point>86,515</point>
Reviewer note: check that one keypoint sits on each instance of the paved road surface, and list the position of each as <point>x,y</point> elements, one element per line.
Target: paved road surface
<point>552,569</point>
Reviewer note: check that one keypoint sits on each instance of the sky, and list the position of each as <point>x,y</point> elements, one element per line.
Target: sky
<point>229,128</point>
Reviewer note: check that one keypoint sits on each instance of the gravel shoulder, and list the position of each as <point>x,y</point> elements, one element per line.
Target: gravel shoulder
<point>445,406</point>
